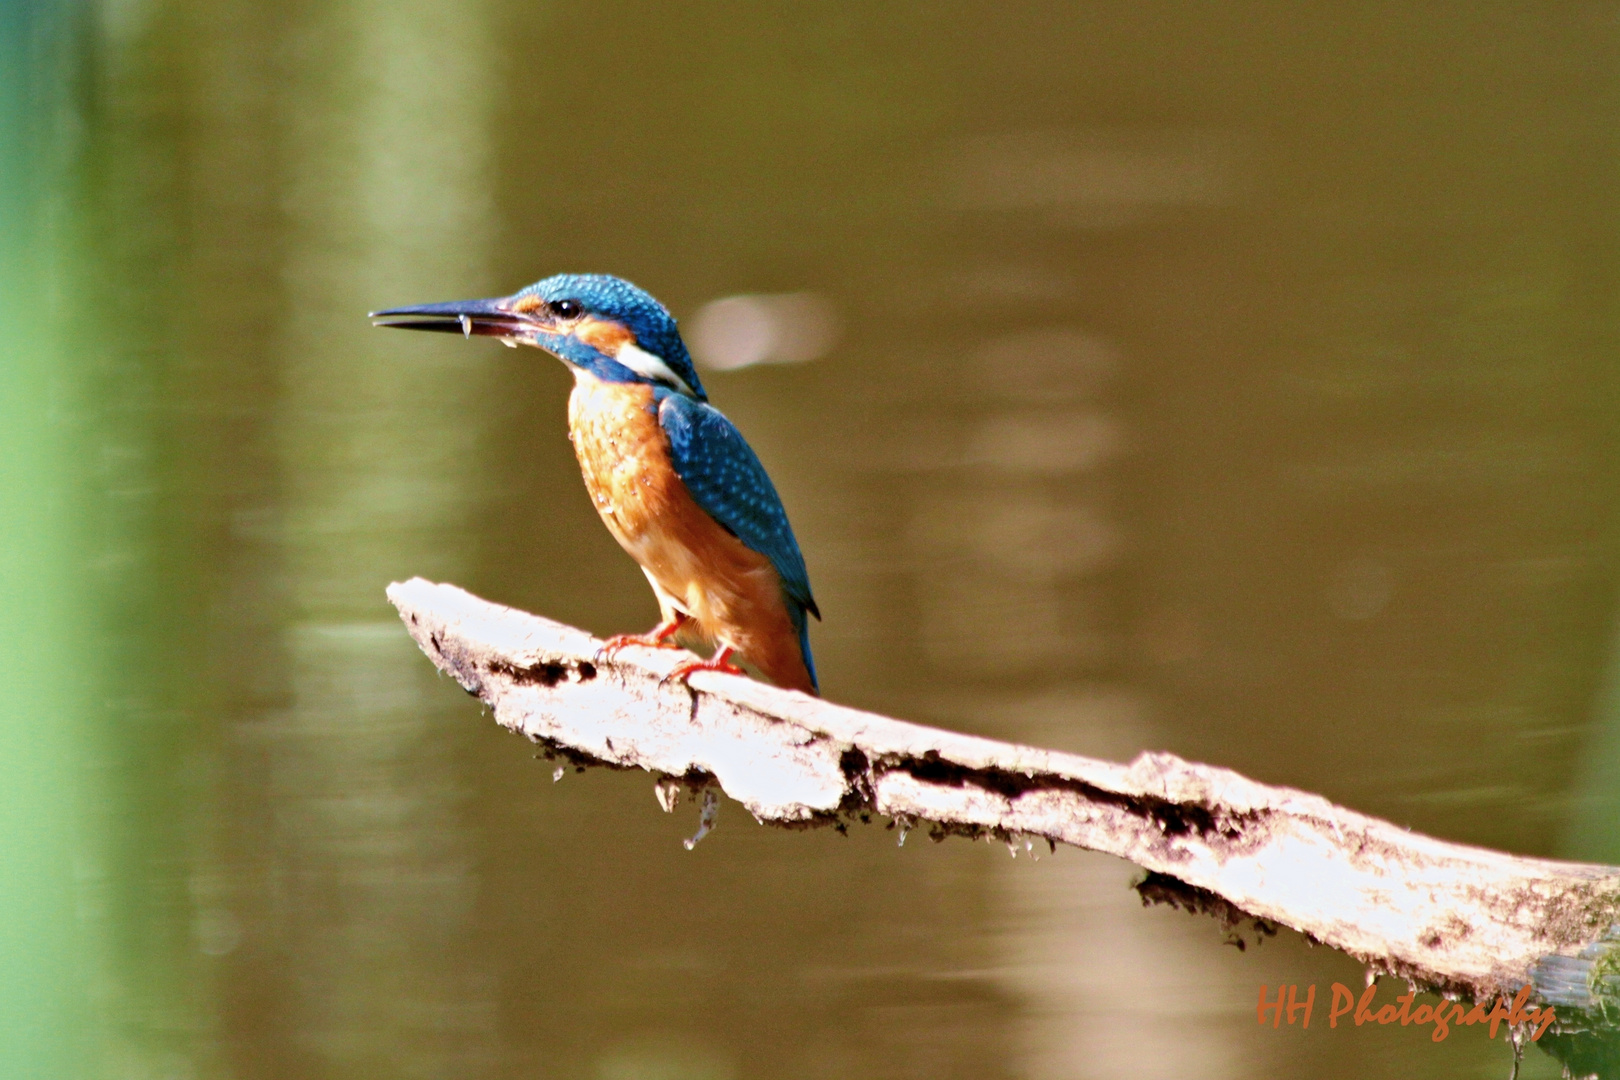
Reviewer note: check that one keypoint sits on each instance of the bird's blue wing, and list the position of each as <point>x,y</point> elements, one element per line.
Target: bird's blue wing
<point>725,477</point>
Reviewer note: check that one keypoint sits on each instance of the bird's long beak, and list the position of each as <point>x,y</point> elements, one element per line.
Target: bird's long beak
<point>485,318</point>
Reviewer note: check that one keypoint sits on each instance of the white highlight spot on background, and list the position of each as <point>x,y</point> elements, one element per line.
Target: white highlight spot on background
<point>782,328</point>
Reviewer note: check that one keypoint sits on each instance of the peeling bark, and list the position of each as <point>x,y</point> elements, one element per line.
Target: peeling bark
<point>1461,920</point>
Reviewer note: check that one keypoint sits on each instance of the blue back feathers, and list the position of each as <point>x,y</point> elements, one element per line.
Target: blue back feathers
<point>608,297</point>
<point>725,477</point>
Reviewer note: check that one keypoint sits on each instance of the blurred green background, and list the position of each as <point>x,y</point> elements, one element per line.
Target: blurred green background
<point>1238,380</point>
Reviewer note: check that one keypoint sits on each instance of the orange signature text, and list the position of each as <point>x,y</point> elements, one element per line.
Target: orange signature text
<point>1289,1004</point>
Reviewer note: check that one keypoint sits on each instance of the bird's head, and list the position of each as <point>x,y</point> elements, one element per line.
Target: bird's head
<point>595,323</point>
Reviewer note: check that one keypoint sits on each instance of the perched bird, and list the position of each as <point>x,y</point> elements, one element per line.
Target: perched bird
<point>673,479</point>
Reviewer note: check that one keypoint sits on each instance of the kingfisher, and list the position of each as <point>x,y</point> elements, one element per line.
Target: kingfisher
<point>672,478</point>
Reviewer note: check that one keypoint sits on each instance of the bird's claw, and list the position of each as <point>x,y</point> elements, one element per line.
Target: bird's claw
<point>720,661</point>
<point>624,641</point>
<point>656,638</point>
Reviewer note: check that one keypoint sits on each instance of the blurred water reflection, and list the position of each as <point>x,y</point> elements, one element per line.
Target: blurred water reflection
<point>1236,381</point>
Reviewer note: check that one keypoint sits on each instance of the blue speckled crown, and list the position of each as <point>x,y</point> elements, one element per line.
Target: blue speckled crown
<point>614,298</point>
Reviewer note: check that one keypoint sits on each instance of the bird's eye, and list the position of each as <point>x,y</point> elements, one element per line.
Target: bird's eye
<point>566,309</point>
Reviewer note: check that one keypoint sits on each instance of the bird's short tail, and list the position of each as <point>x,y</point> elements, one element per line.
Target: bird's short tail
<point>804,650</point>
<point>781,659</point>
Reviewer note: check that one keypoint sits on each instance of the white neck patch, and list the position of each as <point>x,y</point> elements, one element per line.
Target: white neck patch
<point>648,366</point>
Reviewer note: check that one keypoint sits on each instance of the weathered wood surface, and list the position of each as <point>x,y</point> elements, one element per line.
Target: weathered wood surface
<point>1459,919</point>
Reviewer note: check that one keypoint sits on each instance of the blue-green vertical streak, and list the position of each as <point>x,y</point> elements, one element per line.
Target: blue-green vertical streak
<point>43,1002</point>
<point>1594,829</point>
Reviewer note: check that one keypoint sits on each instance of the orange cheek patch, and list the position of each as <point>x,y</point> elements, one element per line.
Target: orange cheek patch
<point>603,336</point>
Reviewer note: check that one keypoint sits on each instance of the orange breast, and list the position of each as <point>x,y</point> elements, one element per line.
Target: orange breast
<point>731,592</point>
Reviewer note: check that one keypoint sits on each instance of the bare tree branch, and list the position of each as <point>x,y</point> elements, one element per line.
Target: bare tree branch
<point>1459,919</point>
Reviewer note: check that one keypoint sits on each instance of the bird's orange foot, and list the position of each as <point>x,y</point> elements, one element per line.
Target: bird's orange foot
<point>720,661</point>
<point>624,641</point>
<point>656,638</point>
